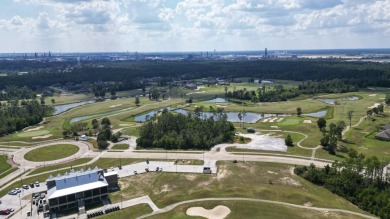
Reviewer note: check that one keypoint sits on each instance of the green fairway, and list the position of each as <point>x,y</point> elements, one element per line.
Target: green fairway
<point>248,209</point>
<point>52,152</point>
<point>32,133</point>
<point>120,147</point>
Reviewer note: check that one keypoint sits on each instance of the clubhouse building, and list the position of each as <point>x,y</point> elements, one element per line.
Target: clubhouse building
<point>78,188</point>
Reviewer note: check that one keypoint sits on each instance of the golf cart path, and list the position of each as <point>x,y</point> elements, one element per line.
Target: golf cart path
<point>170,207</point>
<point>357,124</point>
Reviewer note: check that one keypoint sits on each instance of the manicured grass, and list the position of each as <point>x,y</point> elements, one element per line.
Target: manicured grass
<point>128,213</point>
<point>251,180</point>
<point>33,133</point>
<point>52,152</point>
<point>68,98</point>
<point>248,209</point>
<point>4,166</point>
<point>120,147</point>
<point>60,166</point>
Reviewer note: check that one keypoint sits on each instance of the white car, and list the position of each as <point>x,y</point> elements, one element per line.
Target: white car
<point>25,187</point>
<point>12,192</point>
<point>37,184</point>
<point>11,209</point>
<point>17,190</point>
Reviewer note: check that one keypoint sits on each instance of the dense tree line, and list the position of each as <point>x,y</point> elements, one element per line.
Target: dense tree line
<point>15,117</point>
<point>13,92</point>
<point>279,93</point>
<point>193,131</point>
<point>359,74</point>
<point>360,180</point>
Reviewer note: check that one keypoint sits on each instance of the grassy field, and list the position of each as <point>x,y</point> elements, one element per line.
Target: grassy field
<point>4,166</point>
<point>251,180</point>
<point>128,213</point>
<point>71,98</point>
<point>247,209</point>
<point>120,147</point>
<point>60,166</point>
<point>52,152</point>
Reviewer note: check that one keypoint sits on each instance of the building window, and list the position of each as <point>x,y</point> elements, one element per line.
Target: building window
<point>71,198</point>
<point>62,199</point>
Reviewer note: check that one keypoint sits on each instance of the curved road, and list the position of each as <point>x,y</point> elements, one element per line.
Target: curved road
<point>170,207</point>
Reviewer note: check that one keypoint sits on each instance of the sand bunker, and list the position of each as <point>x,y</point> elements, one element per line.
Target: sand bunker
<point>34,129</point>
<point>372,95</point>
<point>266,120</point>
<point>42,136</point>
<point>113,106</point>
<point>124,125</point>
<point>280,119</point>
<point>306,121</point>
<point>195,93</point>
<point>221,106</point>
<point>373,106</point>
<point>218,212</point>
<point>275,127</point>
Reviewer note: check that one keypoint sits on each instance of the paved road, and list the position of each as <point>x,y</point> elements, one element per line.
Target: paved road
<point>212,155</point>
<point>18,158</point>
<point>170,207</point>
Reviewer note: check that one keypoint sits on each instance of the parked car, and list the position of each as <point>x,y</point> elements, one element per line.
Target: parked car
<point>11,209</point>
<point>32,185</point>
<point>12,192</point>
<point>37,184</point>
<point>25,187</point>
<point>5,212</point>
<point>18,190</point>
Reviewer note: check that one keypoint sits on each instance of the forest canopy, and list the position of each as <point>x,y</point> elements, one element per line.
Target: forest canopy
<point>171,130</point>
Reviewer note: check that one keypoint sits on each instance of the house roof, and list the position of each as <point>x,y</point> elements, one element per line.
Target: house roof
<point>384,134</point>
<point>387,126</point>
<point>74,182</point>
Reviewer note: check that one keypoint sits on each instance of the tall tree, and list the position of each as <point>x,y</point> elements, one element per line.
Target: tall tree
<point>243,118</point>
<point>321,123</point>
<point>299,111</point>
<point>240,117</point>
<point>349,116</point>
<point>137,101</point>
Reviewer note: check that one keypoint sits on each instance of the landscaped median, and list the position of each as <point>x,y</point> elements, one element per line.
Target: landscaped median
<point>51,152</point>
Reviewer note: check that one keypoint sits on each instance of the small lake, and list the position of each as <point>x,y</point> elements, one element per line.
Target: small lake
<point>65,107</point>
<point>231,116</point>
<point>263,81</point>
<point>332,101</point>
<point>81,118</point>
<point>218,100</point>
<point>318,114</point>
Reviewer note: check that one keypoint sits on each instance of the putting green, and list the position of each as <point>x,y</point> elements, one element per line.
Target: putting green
<point>33,133</point>
<point>52,152</point>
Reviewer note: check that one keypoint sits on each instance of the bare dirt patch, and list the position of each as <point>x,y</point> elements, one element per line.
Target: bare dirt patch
<point>308,204</point>
<point>307,121</point>
<point>34,129</point>
<point>373,106</point>
<point>289,181</point>
<point>219,212</point>
<point>42,136</point>
<point>190,177</point>
<point>113,106</point>
<point>223,172</point>
<point>372,95</point>
<point>164,189</point>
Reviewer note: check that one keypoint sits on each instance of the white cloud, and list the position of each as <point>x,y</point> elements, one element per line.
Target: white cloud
<point>200,24</point>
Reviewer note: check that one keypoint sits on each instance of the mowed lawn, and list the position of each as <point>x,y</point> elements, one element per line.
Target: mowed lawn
<point>249,209</point>
<point>120,147</point>
<point>267,181</point>
<point>52,152</point>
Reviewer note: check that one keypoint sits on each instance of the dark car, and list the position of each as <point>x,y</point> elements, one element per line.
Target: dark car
<point>5,212</point>
<point>32,185</point>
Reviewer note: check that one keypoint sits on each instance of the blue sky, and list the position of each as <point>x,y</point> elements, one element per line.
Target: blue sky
<point>192,25</point>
